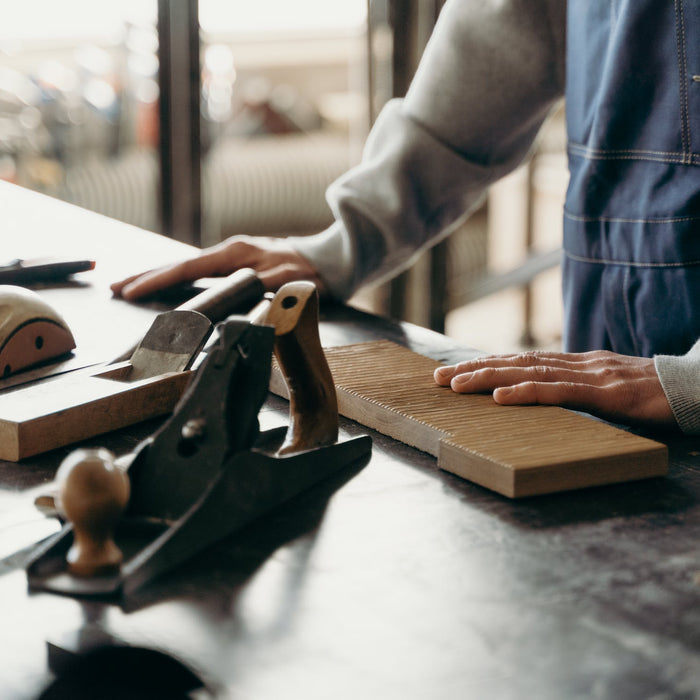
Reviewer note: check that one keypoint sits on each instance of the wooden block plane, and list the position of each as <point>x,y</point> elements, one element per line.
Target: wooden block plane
<point>515,450</point>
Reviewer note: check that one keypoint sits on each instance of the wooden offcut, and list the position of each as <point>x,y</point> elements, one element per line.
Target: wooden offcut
<point>514,450</point>
<point>41,417</point>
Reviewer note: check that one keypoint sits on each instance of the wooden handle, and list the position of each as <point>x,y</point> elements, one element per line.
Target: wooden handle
<point>313,404</point>
<point>236,294</point>
<point>92,495</point>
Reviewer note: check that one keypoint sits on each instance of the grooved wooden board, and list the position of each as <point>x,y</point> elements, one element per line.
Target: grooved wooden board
<point>514,450</point>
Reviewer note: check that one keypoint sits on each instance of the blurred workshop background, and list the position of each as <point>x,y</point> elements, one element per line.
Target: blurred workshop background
<point>205,118</point>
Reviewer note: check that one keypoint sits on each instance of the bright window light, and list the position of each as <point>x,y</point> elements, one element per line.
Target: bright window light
<point>69,20</point>
<point>280,16</point>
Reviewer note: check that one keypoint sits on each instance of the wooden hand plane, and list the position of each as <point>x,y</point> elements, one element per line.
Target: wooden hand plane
<point>144,383</point>
<point>209,470</point>
<point>31,331</point>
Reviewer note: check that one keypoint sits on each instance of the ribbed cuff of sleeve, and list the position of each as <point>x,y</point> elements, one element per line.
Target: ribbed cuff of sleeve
<point>330,252</point>
<point>680,379</point>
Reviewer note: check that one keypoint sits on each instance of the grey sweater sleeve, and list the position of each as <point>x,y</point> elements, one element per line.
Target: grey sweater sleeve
<point>680,379</point>
<point>489,76</point>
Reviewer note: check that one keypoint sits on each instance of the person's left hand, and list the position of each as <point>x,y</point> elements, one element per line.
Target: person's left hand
<point>615,387</point>
<point>274,260</point>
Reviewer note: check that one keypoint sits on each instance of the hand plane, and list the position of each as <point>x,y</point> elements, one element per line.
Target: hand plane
<point>144,384</point>
<point>31,331</point>
<point>209,470</point>
<point>31,351</point>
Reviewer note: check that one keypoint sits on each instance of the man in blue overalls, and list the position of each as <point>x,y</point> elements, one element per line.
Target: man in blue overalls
<point>490,75</point>
<point>632,216</point>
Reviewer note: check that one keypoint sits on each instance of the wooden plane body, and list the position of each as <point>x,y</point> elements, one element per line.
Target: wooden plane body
<point>31,331</point>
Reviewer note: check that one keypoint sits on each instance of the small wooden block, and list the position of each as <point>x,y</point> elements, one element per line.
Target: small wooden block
<point>42,417</point>
<point>514,450</point>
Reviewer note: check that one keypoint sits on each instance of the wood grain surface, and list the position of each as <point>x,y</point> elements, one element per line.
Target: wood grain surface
<point>514,450</point>
<point>41,417</point>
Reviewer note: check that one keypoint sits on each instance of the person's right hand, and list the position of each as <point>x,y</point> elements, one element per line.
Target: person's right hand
<point>274,260</point>
<point>616,387</point>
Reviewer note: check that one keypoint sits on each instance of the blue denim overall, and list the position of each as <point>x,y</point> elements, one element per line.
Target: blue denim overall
<point>632,214</point>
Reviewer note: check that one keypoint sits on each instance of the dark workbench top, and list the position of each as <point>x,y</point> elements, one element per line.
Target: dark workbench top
<point>390,580</point>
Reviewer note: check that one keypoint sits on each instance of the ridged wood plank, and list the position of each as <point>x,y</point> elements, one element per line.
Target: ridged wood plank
<point>514,450</point>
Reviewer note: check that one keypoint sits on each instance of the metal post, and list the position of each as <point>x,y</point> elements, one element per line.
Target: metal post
<point>180,148</point>
<point>412,24</point>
